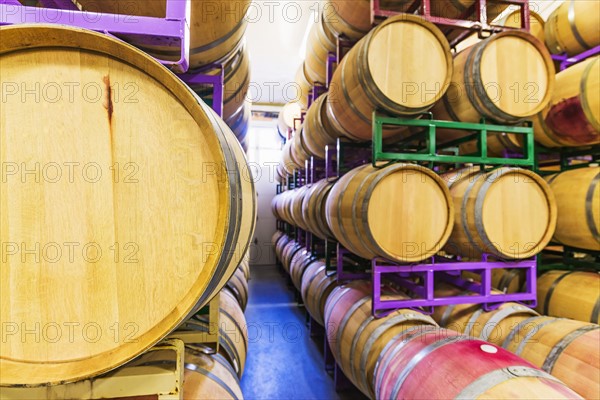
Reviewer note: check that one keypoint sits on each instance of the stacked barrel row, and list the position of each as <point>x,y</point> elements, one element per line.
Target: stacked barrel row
<point>217,46</point>
<point>407,213</point>
<point>507,79</point>
<point>391,357</point>
<point>143,275</point>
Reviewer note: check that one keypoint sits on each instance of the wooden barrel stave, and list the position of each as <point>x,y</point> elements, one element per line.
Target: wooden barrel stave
<point>321,41</point>
<point>209,377</point>
<point>238,286</point>
<point>315,289</point>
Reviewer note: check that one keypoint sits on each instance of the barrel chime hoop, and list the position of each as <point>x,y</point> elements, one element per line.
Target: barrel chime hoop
<point>532,333</point>
<point>344,322</point>
<point>573,26</point>
<point>470,78</point>
<point>419,357</point>
<point>355,338</point>
<point>349,101</point>
<point>491,379</point>
<point>464,213</point>
<point>496,113</point>
<point>551,289</point>
<point>595,311</point>
<point>502,314</point>
<point>380,330</point>
<point>471,321</point>
<point>558,349</point>
<point>589,210</point>
<point>406,336</point>
<point>213,377</point>
<point>517,329</point>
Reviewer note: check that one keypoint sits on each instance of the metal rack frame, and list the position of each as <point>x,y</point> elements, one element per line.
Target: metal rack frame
<point>566,61</point>
<point>174,27</point>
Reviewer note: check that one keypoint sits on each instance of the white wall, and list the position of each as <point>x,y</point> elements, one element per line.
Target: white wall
<point>263,155</point>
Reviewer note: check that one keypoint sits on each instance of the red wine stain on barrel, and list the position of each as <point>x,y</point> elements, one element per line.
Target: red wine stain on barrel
<point>567,119</point>
<point>108,104</point>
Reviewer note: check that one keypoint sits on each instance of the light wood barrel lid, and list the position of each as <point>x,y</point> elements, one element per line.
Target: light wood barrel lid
<point>409,212</point>
<point>400,73</point>
<point>517,73</point>
<point>517,211</point>
<point>160,218</point>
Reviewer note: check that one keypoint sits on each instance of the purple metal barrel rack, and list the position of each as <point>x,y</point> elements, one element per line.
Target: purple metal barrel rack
<point>566,61</point>
<point>175,25</point>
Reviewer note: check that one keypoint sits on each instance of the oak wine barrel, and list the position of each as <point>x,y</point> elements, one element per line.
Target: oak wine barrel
<point>300,262</point>
<point>209,377</point>
<point>509,213</point>
<point>506,78</point>
<point>296,209</point>
<point>216,27</point>
<point>280,245</point>
<point>236,82</point>
<point>245,264</point>
<point>356,338</point>
<point>536,23</point>
<point>389,70</point>
<point>572,118</point>
<point>303,86</point>
<point>573,27</point>
<point>136,151</point>
<point>321,41</point>
<point>421,363</point>
<point>239,123</point>
<point>569,294</point>
<point>316,286</point>
<point>316,132</point>
<point>313,208</point>
<point>566,349</point>
<point>298,151</point>
<point>289,250</point>
<point>233,334</point>
<point>577,194</point>
<point>288,116</point>
<point>288,163</point>
<point>402,212</point>
<point>238,287</point>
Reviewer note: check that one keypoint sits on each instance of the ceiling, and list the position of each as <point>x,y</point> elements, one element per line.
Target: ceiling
<point>276,35</point>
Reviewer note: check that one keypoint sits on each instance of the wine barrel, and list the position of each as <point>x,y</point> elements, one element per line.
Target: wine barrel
<point>348,18</point>
<point>238,287</point>
<point>564,348</point>
<point>236,82</point>
<point>419,363</point>
<point>134,145</point>
<point>245,264</point>
<point>316,133</point>
<point>280,245</point>
<point>288,163</point>
<point>536,23</point>
<point>510,280</point>
<point>288,252</point>
<point>506,78</point>
<point>509,213</point>
<point>238,122</point>
<point>402,212</point>
<point>233,335</point>
<point>572,118</point>
<point>303,86</point>
<point>209,377</point>
<point>298,265</point>
<point>471,319</point>
<point>573,27</point>
<point>569,294</point>
<point>216,27</point>
<point>298,151</point>
<point>375,74</point>
<point>321,41</point>
<point>577,194</point>
<point>356,337</point>
<point>296,206</point>
<point>289,114</point>
<point>313,208</point>
<point>316,286</point>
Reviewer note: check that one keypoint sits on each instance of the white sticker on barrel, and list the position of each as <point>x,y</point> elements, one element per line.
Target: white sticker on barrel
<point>488,348</point>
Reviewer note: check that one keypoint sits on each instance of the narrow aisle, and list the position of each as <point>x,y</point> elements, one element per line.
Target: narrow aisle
<point>283,362</point>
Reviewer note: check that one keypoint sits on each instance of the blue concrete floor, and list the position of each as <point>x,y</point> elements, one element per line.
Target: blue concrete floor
<point>283,362</point>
